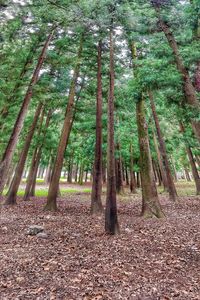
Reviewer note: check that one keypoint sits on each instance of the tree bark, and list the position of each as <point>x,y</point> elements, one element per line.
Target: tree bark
<point>111,219</point>
<point>51,204</point>
<point>9,151</point>
<point>150,202</point>
<point>138,182</point>
<point>12,195</point>
<point>162,147</point>
<point>96,204</point>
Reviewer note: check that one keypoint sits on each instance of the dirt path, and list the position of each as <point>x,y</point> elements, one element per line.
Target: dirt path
<point>150,259</point>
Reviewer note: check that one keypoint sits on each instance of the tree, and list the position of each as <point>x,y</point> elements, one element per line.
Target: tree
<point>188,88</point>
<point>111,220</point>
<point>163,151</point>
<point>150,202</point>
<point>54,184</point>
<point>9,151</point>
<point>96,204</point>
<point>12,194</point>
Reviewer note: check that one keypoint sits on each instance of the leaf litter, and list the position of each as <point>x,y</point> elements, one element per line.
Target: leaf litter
<point>150,260</point>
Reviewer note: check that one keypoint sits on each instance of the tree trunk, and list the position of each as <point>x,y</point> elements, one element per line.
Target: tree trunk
<point>54,184</point>
<point>86,176</point>
<point>194,170</point>
<point>118,171</point>
<point>188,88</point>
<point>132,177</point>
<point>96,204</point>
<point>76,173</point>
<point>81,172</point>
<point>126,176</point>
<point>104,172</point>
<point>70,169</point>
<point>160,162</point>
<point>48,172</point>
<point>187,175</point>
<point>174,168</point>
<point>158,172</point>
<point>12,195</point>
<point>31,181</point>
<point>30,177</point>
<point>9,151</point>
<point>192,163</point>
<point>150,202</point>
<point>111,219</point>
<point>162,147</point>
<point>138,183</point>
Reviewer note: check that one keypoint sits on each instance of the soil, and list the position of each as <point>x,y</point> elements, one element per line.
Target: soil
<point>151,259</point>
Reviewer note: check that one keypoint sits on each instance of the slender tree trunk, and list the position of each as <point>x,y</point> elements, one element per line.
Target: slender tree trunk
<point>170,183</point>
<point>12,195</point>
<point>126,176</point>
<point>138,177</point>
<point>123,171</point>
<point>31,181</point>
<point>76,173</point>
<point>48,172</point>
<point>192,163</point>
<point>188,88</point>
<point>160,162</point>
<point>104,172</point>
<point>86,176</point>
<point>96,204</point>
<point>9,151</point>
<point>10,176</point>
<point>111,219</point>
<point>187,175</point>
<point>118,171</point>
<point>194,170</point>
<point>174,168</point>
<point>34,181</point>
<point>132,177</point>
<point>30,177</point>
<point>151,206</point>
<point>154,171</point>
<point>70,169</point>
<point>81,172</point>
<point>158,172</point>
<point>54,184</point>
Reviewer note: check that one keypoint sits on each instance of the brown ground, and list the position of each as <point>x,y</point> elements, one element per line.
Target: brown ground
<point>150,259</point>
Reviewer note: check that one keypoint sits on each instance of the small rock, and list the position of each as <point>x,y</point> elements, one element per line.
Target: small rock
<point>35,229</point>
<point>42,235</point>
<point>20,279</point>
<point>128,230</point>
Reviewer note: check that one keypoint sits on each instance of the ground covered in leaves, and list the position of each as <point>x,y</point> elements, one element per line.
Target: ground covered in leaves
<point>150,259</point>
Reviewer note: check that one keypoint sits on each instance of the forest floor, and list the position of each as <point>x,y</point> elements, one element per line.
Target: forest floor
<point>150,259</point>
